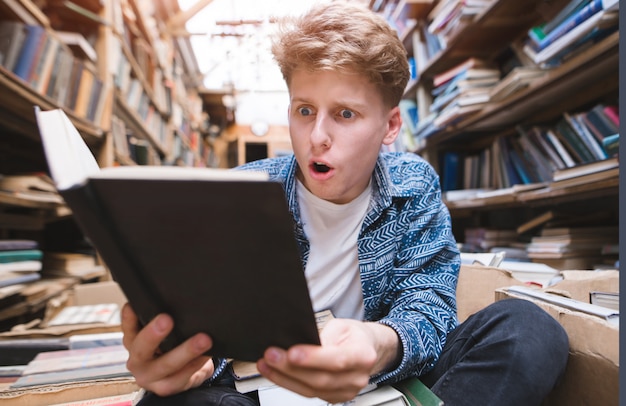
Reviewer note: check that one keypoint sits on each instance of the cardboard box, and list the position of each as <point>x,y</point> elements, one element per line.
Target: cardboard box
<point>592,374</point>
<point>96,293</point>
<point>83,294</point>
<point>69,392</point>
<point>477,285</point>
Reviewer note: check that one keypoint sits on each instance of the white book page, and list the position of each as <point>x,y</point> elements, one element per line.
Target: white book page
<point>69,159</point>
<point>177,173</point>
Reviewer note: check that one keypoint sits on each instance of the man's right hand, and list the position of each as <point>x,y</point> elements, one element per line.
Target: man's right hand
<point>179,369</point>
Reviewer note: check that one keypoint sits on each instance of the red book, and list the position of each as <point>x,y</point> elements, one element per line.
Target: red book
<point>612,113</point>
<point>445,76</point>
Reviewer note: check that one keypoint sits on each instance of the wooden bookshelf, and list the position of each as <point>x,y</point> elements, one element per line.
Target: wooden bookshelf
<point>496,33</point>
<point>166,127</point>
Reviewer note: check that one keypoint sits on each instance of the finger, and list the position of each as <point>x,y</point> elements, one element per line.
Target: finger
<point>129,325</point>
<point>179,358</point>
<point>330,358</point>
<point>191,376</point>
<point>334,388</point>
<point>146,342</point>
<point>313,368</point>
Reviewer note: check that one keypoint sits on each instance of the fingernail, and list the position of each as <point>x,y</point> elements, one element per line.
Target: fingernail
<point>161,324</point>
<point>274,355</point>
<point>201,342</point>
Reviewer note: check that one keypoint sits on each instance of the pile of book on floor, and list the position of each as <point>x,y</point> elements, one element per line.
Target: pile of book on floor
<point>575,247</point>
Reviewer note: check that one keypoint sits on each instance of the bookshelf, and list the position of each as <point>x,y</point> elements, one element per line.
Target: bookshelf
<point>571,84</point>
<point>128,81</point>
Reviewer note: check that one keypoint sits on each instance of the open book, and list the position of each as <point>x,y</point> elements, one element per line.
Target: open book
<point>213,248</point>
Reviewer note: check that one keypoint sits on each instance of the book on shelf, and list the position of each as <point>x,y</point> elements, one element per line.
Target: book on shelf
<point>571,140</point>
<point>20,255</point>
<point>12,278</point>
<point>233,231</point>
<point>43,59</point>
<point>585,169</point>
<point>29,51</point>
<point>579,230</point>
<point>587,179</point>
<point>598,122</point>
<point>79,44</point>
<point>555,142</point>
<point>612,113</point>
<point>571,8</point>
<point>573,38</point>
<point>611,144</point>
<point>453,113</point>
<point>20,266</point>
<point>589,140</point>
<point>447,75</point>
<point>519,78</point>
<point>74,84</point>
<point>584,13</point>
<point>12,35</point>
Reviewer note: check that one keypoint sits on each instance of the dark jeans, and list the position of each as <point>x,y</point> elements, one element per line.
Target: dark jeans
<point>510,353</point>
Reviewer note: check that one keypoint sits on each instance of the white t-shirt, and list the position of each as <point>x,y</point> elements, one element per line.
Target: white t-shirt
<point>332,269</point>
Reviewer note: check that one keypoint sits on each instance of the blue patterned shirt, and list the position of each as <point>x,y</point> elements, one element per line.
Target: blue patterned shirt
<point>408,259</point>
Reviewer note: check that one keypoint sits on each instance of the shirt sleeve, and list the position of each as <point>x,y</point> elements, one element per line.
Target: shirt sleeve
<point>421,294</point>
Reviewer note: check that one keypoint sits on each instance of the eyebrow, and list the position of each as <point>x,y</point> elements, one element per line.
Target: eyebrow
<point>347,103</point>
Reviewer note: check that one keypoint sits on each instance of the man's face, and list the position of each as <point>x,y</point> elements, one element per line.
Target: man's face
<point>337,123</point>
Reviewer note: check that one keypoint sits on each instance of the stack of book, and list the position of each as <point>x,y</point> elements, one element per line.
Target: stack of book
<point>480,239</point>
<point>82,266</point>
<point>572,247</point>
<point>449,17</point>
<point>20,262</point>
<point>580,24</point>
<point>53,367</point>
<point>518,79</point>
<point>462,90</point>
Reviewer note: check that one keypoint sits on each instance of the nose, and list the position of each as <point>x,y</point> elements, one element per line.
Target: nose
<point>320,134</point>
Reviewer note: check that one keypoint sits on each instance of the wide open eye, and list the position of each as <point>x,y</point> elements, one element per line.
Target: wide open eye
<point>346,113</point>
<point>305,111</point>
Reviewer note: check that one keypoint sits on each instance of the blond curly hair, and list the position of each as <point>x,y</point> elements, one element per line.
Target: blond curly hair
<point>344,37</point>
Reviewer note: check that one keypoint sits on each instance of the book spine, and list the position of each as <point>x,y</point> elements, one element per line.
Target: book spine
<point>570,23</point>
<point>417,394</point>
<point>20,255</point>
<point>572,7</point>
<point>28,52</point>
<point>613,114</point>
<point>586,137</point>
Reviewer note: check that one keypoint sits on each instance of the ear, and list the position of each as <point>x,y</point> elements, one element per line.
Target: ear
<point>394,122</point>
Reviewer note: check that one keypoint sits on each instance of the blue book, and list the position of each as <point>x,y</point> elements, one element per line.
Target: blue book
<point>29,50</point>
<point>574,20</point>
<point>451,162</point>
<point>572,7</point>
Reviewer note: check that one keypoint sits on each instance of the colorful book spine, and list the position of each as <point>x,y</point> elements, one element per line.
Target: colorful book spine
<point>29,51</point>
<point>574,20</point>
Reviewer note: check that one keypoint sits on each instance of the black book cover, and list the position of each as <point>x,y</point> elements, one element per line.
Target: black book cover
<point>213,248</point>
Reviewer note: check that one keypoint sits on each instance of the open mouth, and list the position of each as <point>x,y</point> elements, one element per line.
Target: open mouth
<point>320,167</point>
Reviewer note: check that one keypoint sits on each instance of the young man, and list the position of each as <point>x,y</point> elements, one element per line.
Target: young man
<point>377,246</point>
